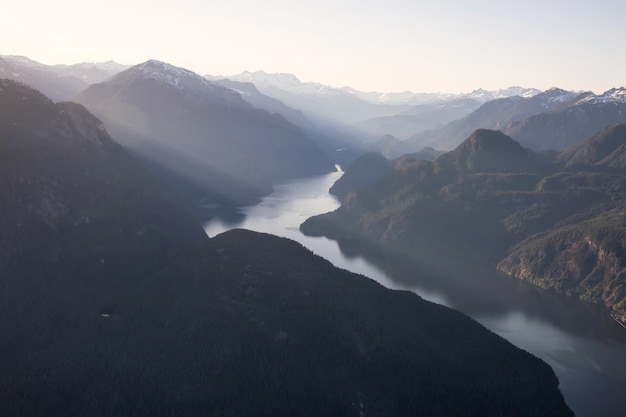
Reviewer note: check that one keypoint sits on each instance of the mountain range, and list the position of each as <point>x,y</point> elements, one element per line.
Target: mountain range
<point>553,119</point>
<point>59,82</point>
<point>204,133</point>
<point>115,302</point>
<point>554,219</point>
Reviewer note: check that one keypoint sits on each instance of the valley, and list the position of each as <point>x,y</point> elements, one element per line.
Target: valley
<point>580,341</point>
<point>521,229</point>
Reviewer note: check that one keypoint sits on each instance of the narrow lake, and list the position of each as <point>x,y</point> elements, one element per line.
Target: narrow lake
<point>583,344</point>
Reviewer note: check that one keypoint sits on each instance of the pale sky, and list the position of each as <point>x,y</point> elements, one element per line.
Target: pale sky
<point>392,45</point>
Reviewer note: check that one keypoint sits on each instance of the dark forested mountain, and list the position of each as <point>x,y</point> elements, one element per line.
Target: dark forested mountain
<point>203,132</point>
<point>363,172</point>
<point>553,119</point>
<point>114,302</point>
<point>554,220</point>
<point>57,86</point>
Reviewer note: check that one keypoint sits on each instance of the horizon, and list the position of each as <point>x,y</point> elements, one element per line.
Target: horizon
<point>223,76</point>
<point>448,47</point>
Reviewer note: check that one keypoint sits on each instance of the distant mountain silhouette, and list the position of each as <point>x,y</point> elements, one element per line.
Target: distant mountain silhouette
<point>489,151</point>
<point>202,131</point>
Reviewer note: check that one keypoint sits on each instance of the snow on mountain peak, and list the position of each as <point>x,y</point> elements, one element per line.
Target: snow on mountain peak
<point>165,72</point>
<point>614,95</point>
<point>178,77</point>
<point>555,96</point>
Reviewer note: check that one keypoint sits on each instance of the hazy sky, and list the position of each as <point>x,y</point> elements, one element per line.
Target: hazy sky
<point>391,45</point>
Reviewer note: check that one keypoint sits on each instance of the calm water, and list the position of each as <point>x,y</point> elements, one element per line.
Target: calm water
<point>584,346</point>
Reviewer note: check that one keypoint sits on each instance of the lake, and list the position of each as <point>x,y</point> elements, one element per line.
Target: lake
<point>583,344</point>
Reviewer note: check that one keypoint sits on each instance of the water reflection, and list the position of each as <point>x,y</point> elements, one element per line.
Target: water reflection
<point>585,347</point>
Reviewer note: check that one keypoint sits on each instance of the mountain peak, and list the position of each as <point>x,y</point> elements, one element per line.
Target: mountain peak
<point>614,95</point>
<point>488,151</point>
<point>490,140</point>
<point>177,77</point>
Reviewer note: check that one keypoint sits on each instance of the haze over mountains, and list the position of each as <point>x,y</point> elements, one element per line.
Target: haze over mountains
<point>202,131</point>
<point>59,82</point>
<point>115,302</point>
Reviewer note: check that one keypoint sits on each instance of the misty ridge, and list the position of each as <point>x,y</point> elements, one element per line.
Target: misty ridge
<point>110,170</point>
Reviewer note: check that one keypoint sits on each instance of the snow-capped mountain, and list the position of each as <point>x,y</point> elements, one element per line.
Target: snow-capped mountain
<point>553,119</point>
<point>414,99</point>
<point>202,131</point>
<point>614,95</point>
<point>42,77</point>
<point>180,78</point>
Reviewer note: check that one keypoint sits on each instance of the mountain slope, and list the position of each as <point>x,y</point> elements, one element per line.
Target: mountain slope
<point>490,202</point>
<point>563,127</point>
<point>497,114</point>
<point>419,118</point>
<point>606,148</point>
<point>321,103</point>
<point>114,302</point>
<point>203,132</point>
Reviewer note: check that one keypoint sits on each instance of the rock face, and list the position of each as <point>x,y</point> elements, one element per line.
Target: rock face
<point>555,219</point>
<point>203,132</point>
<point>114,302</point>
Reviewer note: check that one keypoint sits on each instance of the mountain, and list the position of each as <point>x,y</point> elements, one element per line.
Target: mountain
<point>489,151</point>
<point>341,146</point>
<point>203,132</point>
<point>59,82</point>
<point>497,114</point>
<point>321,103</point>
<point>42,77</point>
<point>363,172</point>
<point>553,119</point>
<point>90,72</point>
<point>259,100</point>
<point>418,99</point>
<point>114,302</point>
<point>555,220</point>
<point>562,127</point>
<point>606,148</point>
<point>419,118</point>
<point>435,111</point>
